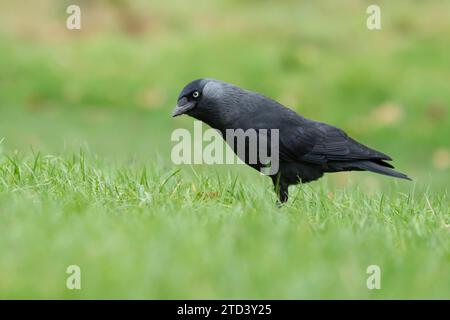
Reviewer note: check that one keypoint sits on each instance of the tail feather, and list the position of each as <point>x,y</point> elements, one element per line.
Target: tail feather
<point>375,167</point>
<point>383,168</point>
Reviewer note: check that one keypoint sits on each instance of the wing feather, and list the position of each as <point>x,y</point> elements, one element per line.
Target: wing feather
<point>318,143</point>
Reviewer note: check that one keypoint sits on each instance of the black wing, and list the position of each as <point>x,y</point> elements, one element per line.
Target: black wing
<point>319,143</point>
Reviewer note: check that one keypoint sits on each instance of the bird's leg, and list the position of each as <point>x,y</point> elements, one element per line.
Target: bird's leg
<point>281,189</point>
<point>283,193</point>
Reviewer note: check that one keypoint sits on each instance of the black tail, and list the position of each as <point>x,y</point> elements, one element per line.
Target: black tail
<point>380,167</point>
<point>375,167</point>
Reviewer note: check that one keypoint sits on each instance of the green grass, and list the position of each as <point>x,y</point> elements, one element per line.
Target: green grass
<point>141,227</point>
<point>151,232</point>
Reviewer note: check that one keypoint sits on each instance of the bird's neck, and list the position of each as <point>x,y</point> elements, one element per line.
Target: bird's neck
<point>215,121</point>
<point>219,116</point>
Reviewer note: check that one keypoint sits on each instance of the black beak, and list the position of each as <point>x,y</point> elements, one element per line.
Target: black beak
<point>183,105</point>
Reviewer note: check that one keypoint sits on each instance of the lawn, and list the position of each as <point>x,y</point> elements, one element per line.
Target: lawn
<point>86,176</point>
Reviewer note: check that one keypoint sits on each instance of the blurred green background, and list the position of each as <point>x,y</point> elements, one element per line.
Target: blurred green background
<point>113,84</point>
<point>110,87</point>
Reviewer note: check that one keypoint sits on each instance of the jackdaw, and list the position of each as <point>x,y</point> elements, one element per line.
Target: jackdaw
<point>307,149</point>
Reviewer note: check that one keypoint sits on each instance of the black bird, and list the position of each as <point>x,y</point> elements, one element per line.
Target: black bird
<point>307,148</point>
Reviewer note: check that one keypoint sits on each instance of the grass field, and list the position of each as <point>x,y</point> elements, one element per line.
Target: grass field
<point>86,177</point>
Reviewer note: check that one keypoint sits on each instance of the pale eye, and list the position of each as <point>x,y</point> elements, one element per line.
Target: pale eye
<point>195,94</point>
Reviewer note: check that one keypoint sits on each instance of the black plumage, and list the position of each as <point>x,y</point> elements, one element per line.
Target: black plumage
<point>307,148</point>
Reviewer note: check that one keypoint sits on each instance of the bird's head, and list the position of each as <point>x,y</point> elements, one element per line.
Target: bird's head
<point>190,97</point>
<point>201,97</point>
<point>214,102</point>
